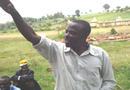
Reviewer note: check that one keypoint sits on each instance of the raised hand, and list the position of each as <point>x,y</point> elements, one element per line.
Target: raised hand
<point>7,6</point>
<point>22,26</point>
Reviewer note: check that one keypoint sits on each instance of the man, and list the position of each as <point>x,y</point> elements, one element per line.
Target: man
<point>24,78</point>
<point>76,65</point>
<point>5,84</point>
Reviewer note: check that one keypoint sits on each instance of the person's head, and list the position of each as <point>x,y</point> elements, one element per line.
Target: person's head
<point>24,65</point>
<point>5,83</point>
<point>77,33</point>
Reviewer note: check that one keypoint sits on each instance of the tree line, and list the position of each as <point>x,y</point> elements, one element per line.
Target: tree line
<point>38,23</point>
<point>45,22</point>
<point>118,8</point>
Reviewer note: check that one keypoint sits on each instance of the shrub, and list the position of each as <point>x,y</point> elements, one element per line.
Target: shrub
<point>4,31</point>
<point>113,31</point>
<point>60,36</point>
<point>127,11</point>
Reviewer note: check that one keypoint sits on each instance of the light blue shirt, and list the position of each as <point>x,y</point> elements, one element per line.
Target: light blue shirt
<point>13,88</point>
<point>92,70</point>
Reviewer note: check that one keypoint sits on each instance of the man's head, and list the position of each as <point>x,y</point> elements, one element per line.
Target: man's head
<point>24,65</point>
<point>5,83</point>
<point>77,33</point>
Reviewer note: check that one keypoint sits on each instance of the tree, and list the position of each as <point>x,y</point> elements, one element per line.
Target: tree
<point>129,7</point>
<point>121,9</point>
<point>118,7</point>
<point>126,8</point>
<point>66,19</point>
<point>77,13</point>
<point>58,15</point>
<point>55,20</point>
<point>7,25</point>
<point>90,11</point>
<point>81,12</point>
<point>2,26</point>
<point>44,18</point>
<point>73,18</point>
<point>12,27</point>
<point>106,7</point>
<point>68,15</point>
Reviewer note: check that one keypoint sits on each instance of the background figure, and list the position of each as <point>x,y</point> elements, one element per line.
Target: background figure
<point>5,84</point>
<point>24,78</point>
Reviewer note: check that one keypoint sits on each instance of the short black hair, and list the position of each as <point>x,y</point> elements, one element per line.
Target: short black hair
<point>85,26</point>
<point>6,77</point>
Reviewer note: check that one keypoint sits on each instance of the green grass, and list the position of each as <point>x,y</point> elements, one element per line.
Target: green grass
<point>119,53</point>
<point>14,49</point>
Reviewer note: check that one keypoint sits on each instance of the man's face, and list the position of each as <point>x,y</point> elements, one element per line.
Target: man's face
<point>24,68</point>
<point>74,36</point>
<point>4,84</point>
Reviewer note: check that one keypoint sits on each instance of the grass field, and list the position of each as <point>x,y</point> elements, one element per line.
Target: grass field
<point>52,34</point>
<point>105,16</point>
<point>119,55</point>
<point>15,48</point>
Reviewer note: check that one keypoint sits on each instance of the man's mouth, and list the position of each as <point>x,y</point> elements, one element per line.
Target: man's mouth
<point>66,41</point>
<point>25,68</point>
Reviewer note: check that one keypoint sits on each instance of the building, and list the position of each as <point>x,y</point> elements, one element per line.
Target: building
<point>108,23</point>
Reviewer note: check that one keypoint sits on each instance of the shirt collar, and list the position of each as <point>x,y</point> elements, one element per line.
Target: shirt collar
<point>66,49</point>
<point>89,51</point>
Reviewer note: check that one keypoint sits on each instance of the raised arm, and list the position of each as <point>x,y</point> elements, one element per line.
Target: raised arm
<point>22,26</point>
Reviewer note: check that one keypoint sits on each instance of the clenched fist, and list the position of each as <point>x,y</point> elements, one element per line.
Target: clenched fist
<point>7,6</point>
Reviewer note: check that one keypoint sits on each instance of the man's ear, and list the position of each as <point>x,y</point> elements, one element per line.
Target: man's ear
<point>86,35</point>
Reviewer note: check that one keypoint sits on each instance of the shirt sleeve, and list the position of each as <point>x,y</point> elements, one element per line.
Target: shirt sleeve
<point>48,48</point>
<point>15,77</point>
<point>30,76</point>
<point>107,73</point>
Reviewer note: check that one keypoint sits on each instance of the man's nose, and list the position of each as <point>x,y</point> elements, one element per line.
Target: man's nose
<point>67,34</point>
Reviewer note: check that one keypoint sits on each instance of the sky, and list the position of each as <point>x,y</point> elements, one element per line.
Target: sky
<point>39,8</point>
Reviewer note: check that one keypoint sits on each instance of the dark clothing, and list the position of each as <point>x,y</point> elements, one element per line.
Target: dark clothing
<point>24,82</point>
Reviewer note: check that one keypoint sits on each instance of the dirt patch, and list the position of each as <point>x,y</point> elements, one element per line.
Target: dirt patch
<point>105,38</point>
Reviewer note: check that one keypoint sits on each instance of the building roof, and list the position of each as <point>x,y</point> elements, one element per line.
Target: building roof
<point>118,18</point>
<point>94,19</point>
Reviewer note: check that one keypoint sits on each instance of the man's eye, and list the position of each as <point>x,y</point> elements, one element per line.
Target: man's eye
<point>66,31</point>
<point>72,32</point>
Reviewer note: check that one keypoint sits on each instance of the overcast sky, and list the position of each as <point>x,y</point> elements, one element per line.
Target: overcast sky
<point>39,8</point>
